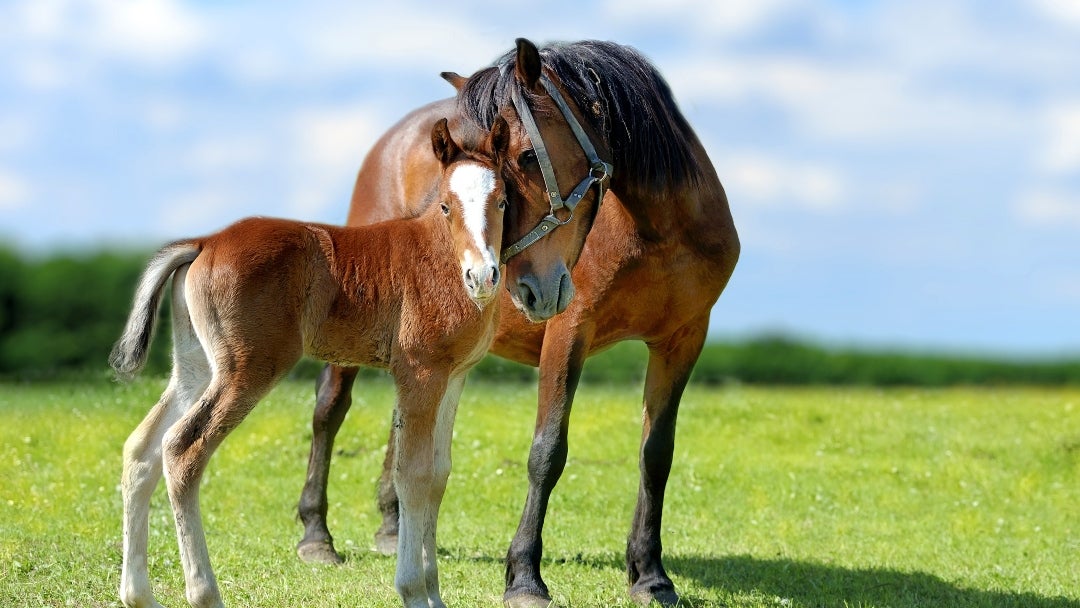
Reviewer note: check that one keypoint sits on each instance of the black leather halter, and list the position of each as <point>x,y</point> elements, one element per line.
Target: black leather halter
<point>599,171</point>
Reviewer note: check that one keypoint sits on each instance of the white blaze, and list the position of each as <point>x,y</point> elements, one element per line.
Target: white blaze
<point>473,184</point>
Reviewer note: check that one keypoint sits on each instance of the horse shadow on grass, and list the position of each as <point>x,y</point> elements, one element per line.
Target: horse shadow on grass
<point>812,584</point>
<point>803,583</point>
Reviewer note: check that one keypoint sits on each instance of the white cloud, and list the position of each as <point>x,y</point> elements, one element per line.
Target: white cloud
<point>217,155</point>
<point>1049,208</point>
<point>1060,10</point>
<point>211,207</point>
<point>851,102</point>
<point>1060,155</point>
<point>733,17</point>
<point>56,44</point>
<point>328,145</point>
<point>355,37</point>
<point>150,31</point>
<point>753,178</point>
<point>14,191</point>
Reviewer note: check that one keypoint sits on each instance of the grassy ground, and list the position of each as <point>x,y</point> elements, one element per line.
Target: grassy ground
<point>794,497</point>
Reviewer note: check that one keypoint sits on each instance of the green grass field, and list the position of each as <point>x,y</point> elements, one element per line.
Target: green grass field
<point>793,497</point>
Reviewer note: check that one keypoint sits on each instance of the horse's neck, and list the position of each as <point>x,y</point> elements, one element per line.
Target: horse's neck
<point>666,213</point>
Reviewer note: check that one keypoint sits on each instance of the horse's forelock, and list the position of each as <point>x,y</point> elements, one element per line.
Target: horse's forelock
<point>621,96</point>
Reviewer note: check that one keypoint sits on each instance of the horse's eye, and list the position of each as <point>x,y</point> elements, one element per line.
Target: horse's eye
<point>445,209</point>
<point>527,159</point>
<point>502,205</point>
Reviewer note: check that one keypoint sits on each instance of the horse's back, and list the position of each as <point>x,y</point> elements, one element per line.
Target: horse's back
<point>400,174</point>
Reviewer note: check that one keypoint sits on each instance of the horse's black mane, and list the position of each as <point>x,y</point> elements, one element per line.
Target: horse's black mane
<point>622,97</point>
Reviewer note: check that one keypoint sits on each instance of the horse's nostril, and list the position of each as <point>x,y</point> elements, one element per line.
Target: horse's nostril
<point>528,296</point>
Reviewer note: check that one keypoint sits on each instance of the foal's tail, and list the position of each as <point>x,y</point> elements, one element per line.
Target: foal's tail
<point>129,354</point>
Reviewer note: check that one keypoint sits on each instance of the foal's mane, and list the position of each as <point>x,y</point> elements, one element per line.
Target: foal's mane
<point>621,96</point>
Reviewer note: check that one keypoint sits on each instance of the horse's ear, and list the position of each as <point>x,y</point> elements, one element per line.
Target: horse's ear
<point>455,79</point>
<point>499,139</point>
<point>528,63</point>
<point>444,146</point>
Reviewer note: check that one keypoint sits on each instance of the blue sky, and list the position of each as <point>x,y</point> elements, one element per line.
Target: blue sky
<point>902,173</point>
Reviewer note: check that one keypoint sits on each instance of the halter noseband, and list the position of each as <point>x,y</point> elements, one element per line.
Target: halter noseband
<point>599,171</point>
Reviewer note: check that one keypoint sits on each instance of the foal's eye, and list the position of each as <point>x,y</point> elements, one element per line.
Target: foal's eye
<point>445,209</point>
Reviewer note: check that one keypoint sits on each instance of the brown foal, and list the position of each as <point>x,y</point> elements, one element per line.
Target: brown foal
<point>412,296</point>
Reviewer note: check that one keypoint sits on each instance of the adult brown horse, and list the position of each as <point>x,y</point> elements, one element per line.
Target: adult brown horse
<point>662,248</point>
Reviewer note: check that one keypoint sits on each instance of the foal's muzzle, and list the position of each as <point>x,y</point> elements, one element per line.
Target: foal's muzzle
<point>481,281</point>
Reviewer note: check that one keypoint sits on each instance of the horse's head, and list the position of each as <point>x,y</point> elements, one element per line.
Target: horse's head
<point>472,198</point>
<point>550,169</point>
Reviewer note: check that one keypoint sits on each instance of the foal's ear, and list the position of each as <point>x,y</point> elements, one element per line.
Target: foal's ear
<point>456,80</point>
<point>499,139</point>
<point>444,146</point>
<point>528,63</point>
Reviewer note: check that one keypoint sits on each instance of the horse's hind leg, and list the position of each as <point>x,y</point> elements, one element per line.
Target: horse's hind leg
<point>670,364</point>
<point>142,451</point>
<point>333,399</point>
<point>386,537</point>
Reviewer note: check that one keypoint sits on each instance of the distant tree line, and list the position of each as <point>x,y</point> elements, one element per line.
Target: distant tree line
<point>60,314</point>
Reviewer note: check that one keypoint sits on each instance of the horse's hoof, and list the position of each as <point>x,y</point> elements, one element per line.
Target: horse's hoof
<point>664,597</point>
<point>318,552</point>
<point>386,543</point>
<point>526,600</point>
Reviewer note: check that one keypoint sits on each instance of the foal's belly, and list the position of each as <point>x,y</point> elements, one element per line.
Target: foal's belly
<point>347,345</point>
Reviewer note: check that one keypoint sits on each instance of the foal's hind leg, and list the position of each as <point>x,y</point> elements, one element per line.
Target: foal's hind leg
<point>142,471</point>
<point>333,394</point>
<point>187,448</point>
<point>670,364</point>
<point>142,451</point>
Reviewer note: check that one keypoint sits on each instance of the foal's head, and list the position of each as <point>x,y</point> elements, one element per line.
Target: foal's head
<point>472,199</point>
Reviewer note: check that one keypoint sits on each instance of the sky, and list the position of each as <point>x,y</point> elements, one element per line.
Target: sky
<point>903,174</point>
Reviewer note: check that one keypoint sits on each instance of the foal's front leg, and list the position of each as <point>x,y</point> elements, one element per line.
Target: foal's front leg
<point>415,477</point>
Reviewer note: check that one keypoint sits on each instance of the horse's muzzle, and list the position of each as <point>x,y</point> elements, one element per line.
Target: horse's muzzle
<point>541,299</point>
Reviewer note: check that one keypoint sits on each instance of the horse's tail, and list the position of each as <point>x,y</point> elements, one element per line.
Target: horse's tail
<point>130,352</point>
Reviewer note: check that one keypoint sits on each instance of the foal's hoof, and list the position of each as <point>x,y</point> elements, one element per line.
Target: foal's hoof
<point>318,552</point>
<point>526,600</point>
<point>664,597</point>
<point>386,543</point>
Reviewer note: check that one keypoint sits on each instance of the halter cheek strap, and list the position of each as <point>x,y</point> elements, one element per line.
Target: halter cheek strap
<point>599,171</point>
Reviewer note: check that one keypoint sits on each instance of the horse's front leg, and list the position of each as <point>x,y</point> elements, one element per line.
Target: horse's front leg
<point>670,364</point>
<point>416,421</point>
<point>561,359</point>
<point>333,393</point>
